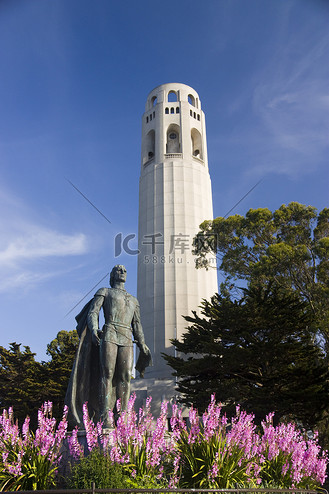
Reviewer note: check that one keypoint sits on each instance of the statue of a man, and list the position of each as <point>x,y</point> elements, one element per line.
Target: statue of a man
<point>102,370</point>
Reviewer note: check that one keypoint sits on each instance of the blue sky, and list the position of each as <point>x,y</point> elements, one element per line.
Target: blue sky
<point>74,79</point>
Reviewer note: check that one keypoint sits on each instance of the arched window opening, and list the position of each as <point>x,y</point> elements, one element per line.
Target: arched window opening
<point>172,110</point>
<point>149,150</point>
<point>147,119</point>
<point>167,111</point>
<point>173,139</point>
<point>198,117</point>
<point>154,114</point>
<point>194,115</point>
<point>196,142</point>
<point>177,109</point>
<point>172,96</point>
<point>154,100</point>
<point>191,113</point>
<point>151,116</point>
<point>191,99</point>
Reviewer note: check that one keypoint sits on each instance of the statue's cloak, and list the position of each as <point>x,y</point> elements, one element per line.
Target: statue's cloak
<point>84,380</point>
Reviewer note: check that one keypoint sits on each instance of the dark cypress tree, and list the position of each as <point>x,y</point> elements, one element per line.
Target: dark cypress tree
<point>260,352</point>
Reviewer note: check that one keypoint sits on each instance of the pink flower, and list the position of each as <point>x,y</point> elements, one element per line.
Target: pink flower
<point>75,448</point>
<point>213,472</point>
<point>91,430</point>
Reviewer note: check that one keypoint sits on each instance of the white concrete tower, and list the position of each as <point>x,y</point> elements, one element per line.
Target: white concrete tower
<point>174,198</point>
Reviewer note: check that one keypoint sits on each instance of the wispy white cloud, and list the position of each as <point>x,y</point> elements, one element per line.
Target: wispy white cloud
<point>29,251</point>
<point>42,243</point>
<point>23,280</point>
<point>294,117</point>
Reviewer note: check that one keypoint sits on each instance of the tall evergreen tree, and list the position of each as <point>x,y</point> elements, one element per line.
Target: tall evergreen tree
<point>288,248</point>
<point>260,352</point>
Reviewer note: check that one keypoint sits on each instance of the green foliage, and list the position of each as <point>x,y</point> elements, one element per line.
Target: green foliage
<point>273,472</point>
<point>288,248</point>
<point>199,458</point>
<point>98,468</point>
<point>37,471</point>
<point>137,458</point>
<point>147,481</point>
<point>25,383</point>
<point>29,460</point>
<point>214,452</point>
<point>58,370</point>
<point>259,352</point>
<point>22,381</point>
<point>139,472</point>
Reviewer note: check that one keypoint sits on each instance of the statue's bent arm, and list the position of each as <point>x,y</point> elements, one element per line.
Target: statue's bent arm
<point>145,358</point>
<point>93,315</point>
<point>137,328</point>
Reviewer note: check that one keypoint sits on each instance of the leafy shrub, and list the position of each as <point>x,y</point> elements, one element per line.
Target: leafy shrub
<point>98,468</point>
<point>29,461</point>
<point>216,453</point>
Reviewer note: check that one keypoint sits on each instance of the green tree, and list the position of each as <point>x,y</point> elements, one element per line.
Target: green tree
<point>62,352</point>
<point>288,248</point>
<point>21,381</point>
<point>25,383</point>
<point>259,352</point>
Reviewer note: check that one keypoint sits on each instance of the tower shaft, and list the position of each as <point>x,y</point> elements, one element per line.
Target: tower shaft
<point>175,197</point>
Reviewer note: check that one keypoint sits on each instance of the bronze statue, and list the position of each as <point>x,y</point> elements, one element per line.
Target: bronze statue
<point>103,365</point>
